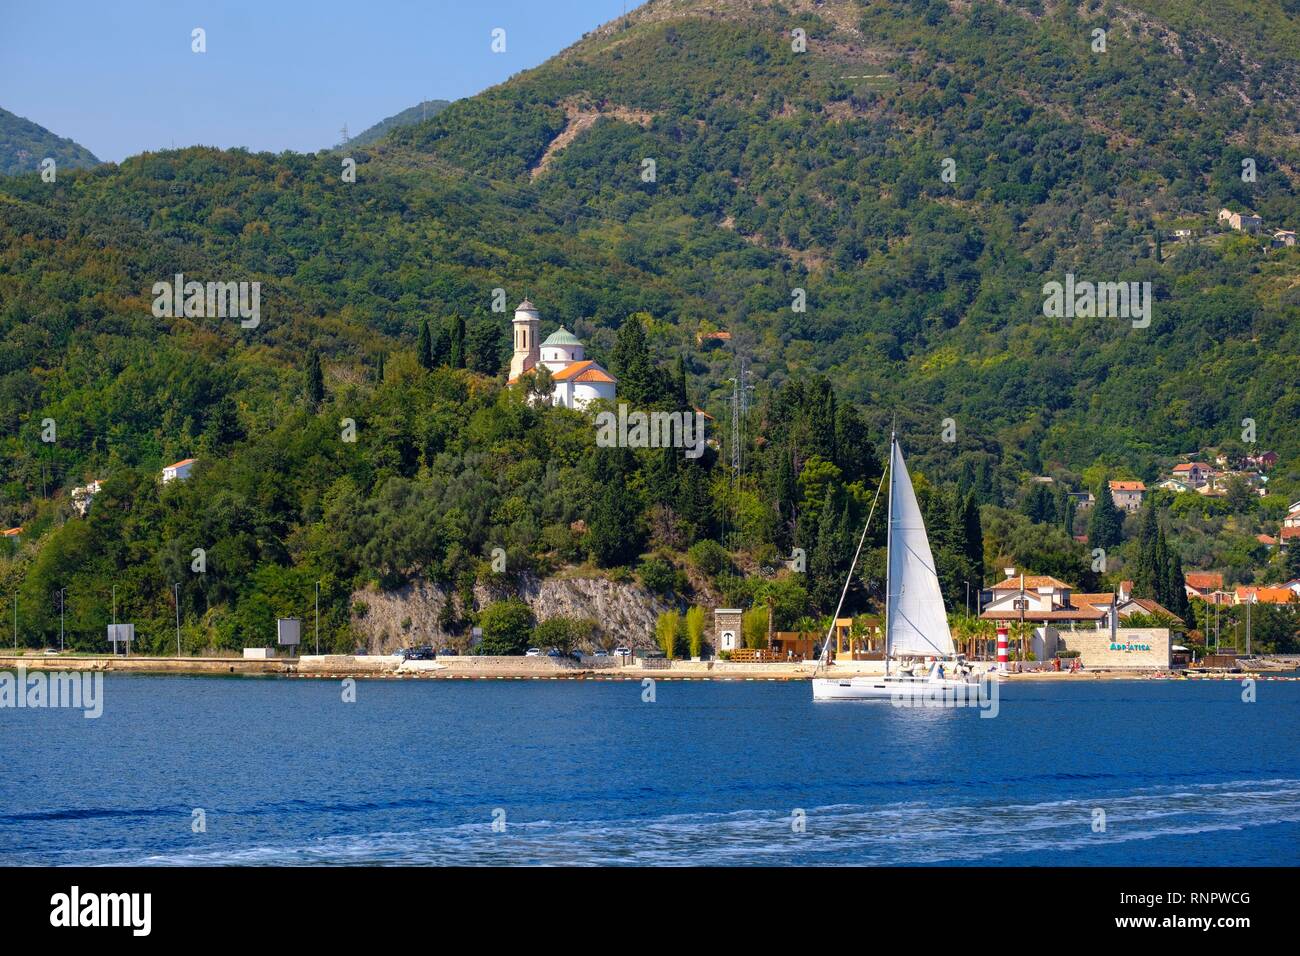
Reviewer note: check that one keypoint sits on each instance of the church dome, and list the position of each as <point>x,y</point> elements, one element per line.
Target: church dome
<point>562,336</point>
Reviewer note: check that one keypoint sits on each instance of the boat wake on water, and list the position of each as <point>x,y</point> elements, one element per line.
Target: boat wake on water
<point>910,832</point>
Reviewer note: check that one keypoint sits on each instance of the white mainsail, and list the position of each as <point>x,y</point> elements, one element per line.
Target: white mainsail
<point>916,623</point>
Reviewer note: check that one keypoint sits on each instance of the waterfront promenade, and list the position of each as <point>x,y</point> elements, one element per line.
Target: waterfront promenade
<point>340,666</point>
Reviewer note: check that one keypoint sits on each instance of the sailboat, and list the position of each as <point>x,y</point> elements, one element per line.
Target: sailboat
<point>916,623</point>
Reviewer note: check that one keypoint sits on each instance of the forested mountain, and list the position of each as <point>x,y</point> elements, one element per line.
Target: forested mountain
<point>408,117</point>
<point>776,177</point>
<point>23,145</point>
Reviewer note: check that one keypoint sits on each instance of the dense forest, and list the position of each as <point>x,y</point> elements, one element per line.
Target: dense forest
<point>797,201</point>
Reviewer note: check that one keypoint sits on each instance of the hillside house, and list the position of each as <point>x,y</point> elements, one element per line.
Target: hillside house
<point>1127,495</point>
<point>1283,238</point>
<point>1202,584</point>
<point>1249,594</point>
<point>178,471</point>
<point>1195,473</point>
<point>83,495</point>
<point>1241,221</point>
<point>1174,484</point>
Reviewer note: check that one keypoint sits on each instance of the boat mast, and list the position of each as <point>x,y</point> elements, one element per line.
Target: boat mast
<point>889,550</point>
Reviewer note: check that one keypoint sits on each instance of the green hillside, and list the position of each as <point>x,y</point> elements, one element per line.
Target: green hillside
<point>23,145</point>
<point>407,117</point>
<point>774,171</point>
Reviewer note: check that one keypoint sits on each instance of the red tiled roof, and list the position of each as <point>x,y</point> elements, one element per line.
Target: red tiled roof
<point>1127,486</point>
<point>1032,583</point>
<point>1152,607</point>
<point>577,372</point>
<point>1087,613</point>
<point>1290,533</point>
<point>12,532</point>
<point>1204,580</point>
<point>1266,595</point>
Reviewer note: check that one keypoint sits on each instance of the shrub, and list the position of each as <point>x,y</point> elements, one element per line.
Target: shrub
<point>709,557</point>
<point>507,626</point>
<point>557,632</point>
<point>658,575</point>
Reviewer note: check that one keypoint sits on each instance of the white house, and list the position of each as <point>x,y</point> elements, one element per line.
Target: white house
<point>578,380</point>
<point>179,471</point>
<point>82,496</point>
<point>1292,519</point>
<point>1194,473</point>
<point>1042,599</point>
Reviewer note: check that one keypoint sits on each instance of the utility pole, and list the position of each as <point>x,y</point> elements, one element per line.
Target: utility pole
<point>15,622</point>
<point>318,618</point>
<point>62,602</point>
<point>1248,603</point>
<point>176,593</point>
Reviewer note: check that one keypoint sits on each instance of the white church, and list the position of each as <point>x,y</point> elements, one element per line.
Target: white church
<point>578,380</point>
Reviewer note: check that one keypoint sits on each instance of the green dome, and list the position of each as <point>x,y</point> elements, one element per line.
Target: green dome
<point>562,336</point>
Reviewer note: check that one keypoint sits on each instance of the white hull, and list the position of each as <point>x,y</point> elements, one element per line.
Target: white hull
<point>893,687</point>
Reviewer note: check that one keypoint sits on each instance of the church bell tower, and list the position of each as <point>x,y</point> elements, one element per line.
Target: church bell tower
<point>527,349</point>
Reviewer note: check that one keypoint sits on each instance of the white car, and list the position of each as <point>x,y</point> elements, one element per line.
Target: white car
<point>533,652</point>
<point>623,651</point>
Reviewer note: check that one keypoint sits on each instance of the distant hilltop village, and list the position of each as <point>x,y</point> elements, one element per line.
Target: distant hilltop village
<point>578,381</point>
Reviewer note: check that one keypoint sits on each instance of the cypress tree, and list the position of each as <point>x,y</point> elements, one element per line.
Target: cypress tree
<point>1106,526</point>
<point>973,536</point>
<point>1175,587</point>
<point>424,346</point>
<point>1160,570</point>
<point>1148,571</point>
<point>456,350</point>
<point>315,379</point>
<point>632,365</point>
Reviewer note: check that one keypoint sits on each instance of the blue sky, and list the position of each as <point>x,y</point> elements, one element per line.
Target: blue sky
<point>120,78</point>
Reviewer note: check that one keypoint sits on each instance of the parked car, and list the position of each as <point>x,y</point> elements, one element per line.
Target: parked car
<point>555,652</point>
<point>425,653</point>
<point>623,651</point>
<point>533,652</point>
<point>600,654</point>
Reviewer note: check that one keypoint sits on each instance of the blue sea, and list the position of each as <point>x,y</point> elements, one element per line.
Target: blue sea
<point>587,772</point>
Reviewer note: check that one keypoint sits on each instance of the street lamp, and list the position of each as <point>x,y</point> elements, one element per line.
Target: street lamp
<point>62,602</point>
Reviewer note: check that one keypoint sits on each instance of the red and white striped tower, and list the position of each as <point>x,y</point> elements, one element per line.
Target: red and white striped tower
<point>1004,655</point>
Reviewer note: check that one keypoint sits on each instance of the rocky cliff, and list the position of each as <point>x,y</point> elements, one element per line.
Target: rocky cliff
<point>624,611</point>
